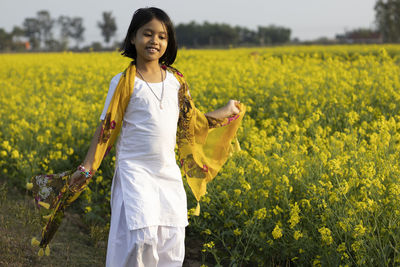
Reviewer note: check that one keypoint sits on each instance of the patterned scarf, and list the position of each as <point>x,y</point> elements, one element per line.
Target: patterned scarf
<point>204,144</point>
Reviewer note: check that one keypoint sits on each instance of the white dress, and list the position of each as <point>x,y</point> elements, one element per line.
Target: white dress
<point>147,189</point>
<point>151,182</point>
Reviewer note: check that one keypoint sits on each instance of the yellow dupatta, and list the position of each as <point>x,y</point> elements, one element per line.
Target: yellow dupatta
<point>204,144</point>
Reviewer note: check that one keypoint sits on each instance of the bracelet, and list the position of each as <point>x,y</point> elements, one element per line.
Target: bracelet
<point>84,172</point>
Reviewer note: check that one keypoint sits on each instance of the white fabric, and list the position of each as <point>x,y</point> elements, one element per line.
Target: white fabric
<point>151,183</point>
<point>111,90</point>
<point>149,246</point>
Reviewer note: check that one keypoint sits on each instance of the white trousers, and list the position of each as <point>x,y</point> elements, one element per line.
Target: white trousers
<point>150,246</point>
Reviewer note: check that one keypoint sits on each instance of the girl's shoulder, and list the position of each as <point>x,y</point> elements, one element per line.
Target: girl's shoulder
<point>173,70</point>
<point>116,78</point>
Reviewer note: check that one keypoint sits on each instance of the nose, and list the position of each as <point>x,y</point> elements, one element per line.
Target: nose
<point>153,39</point>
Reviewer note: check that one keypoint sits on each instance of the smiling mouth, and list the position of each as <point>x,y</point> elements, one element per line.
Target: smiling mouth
<point>152,49</point>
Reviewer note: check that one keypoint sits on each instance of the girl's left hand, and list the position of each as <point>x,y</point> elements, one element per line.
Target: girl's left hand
<point>233,107</point>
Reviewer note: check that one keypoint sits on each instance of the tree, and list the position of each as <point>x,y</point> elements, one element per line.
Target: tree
<point>46,24</point>
<point>5,40</point>
<point>39,30</point>
<point>208,34</point>
<point>387,18</point>
<point>17,33</point>
<point>273,34</point>
<point>188,34</point>
<point>32,31</point>
<point>108,26</point>
<point>64,23</point>
<point>76,30</point>
<point>70,27</point>
<point>246,36</point>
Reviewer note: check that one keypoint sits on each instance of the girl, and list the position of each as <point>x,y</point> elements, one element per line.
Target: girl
<point>148,201</point>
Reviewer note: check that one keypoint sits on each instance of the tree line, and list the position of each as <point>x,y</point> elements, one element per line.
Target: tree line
<point>213,34</point>
<point>38,34</point>
<point>387,15</point>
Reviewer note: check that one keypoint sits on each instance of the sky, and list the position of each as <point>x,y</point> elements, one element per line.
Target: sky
<point>308,19</point>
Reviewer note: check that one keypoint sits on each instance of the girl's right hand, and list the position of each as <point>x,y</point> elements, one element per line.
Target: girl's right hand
<point>77,179</point>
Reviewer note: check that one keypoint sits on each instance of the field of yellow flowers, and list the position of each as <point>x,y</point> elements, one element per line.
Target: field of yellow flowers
<point>317,181</point>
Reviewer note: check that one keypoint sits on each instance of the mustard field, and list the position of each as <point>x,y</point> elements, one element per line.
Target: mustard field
<point>317,181</point>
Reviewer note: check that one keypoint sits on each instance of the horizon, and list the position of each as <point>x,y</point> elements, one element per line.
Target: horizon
<point>332,17</point>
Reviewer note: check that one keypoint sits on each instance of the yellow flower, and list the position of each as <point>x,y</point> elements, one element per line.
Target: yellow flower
<point>207,232</point>
<point>99,179</point>
<point>317,263</point>
<point>14,154</point>
<point>40,139</point>
<point>341,247</point>
<point>246,185</point>
<point>70,151</point>
<point>88,209</point>
<point>29,186</point>
<point>277,210</point>
<point>237,232</point>
<point>356,246</point>
<point>237,192</point>
<point>261,213</point>
<point>326,235</point>
<point>6,146</point>
<point>209,244</point>
<point>277,232</point>
<point>294,215</point>
<point>297,235</point>
<point>352,117</point>
<point>359,230</point>
<point>285,180</point>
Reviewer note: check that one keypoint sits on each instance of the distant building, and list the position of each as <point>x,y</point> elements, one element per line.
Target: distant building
<point>27,46</point>
<point>360,36</point>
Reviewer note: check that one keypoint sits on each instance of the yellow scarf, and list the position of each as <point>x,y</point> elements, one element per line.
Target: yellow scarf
<point>204,144</point>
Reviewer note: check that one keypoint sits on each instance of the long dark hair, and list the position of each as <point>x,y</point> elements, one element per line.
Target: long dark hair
<point>140,18</point>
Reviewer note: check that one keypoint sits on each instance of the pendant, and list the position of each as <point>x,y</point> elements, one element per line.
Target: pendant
<point>161,107</point>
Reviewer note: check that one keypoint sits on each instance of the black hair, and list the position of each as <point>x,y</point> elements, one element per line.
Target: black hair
<point>140,18</point>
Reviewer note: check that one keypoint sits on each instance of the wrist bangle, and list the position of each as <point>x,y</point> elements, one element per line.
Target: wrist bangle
<point>87,174</point>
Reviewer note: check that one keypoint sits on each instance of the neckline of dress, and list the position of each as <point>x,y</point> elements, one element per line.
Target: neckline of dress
<point>165,78</point>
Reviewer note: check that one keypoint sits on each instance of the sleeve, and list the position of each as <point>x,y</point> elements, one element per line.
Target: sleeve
<point>111,90</point>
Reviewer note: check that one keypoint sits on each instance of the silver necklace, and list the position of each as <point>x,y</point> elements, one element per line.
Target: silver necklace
<point>162,92</point>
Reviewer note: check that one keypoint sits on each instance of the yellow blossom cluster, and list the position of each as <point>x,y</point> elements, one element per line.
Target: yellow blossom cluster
<point>317,179</point>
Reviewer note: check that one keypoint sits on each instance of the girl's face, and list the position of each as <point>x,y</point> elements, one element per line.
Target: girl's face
<point>151,41</point>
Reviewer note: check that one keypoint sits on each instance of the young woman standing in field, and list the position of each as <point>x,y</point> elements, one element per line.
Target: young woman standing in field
<point>149,103</point>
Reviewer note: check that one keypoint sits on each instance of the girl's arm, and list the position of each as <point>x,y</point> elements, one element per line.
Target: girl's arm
<point>226,111</point>
<point>77,177</point>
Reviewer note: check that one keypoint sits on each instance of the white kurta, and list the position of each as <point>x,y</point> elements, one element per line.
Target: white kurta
<point>151,183</point>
